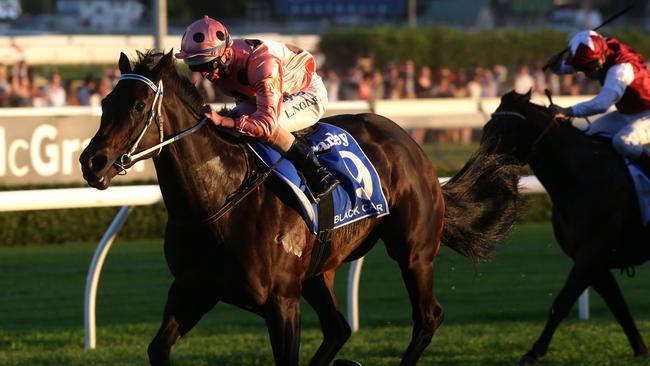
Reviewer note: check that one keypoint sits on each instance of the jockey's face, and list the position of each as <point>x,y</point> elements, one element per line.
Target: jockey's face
<point>216,68</point>
<point>593,70</point>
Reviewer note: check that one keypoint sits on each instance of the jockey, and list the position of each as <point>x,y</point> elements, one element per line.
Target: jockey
<point>276,89</point>
<point>625,83</point>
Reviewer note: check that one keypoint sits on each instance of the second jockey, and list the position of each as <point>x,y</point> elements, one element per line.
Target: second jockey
<point>625,83</point>
<point>276,89</point>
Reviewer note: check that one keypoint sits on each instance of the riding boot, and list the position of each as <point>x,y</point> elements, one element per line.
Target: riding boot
<point>319,180</point>
<point>644,162</point>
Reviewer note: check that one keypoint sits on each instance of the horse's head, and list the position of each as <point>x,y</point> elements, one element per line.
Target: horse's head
<point>515,127</point>
<point>131,119</point>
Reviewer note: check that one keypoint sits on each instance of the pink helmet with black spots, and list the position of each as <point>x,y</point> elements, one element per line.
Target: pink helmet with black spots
<point>586,47</point>
<point>203,41</point>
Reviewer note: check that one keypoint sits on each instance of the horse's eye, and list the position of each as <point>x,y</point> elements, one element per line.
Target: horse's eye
<point>139,106</point>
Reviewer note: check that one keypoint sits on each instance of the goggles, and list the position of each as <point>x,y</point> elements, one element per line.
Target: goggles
<point>591,66</point>
<point>209,66</point>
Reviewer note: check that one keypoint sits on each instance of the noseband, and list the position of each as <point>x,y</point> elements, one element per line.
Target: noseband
<point>154,113</point>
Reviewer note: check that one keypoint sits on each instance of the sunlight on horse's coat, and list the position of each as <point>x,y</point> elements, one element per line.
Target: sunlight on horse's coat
<point>291,245</point>
<point>205,171</point>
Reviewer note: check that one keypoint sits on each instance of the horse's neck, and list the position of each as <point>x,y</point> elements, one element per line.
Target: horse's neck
<point>555,161</point>
<point>197,172</point>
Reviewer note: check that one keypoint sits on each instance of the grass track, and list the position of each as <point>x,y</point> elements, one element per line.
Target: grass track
<point>494,311</point>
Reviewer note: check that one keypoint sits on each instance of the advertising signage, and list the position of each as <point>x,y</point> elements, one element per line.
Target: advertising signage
<point>45,150</point>
<point>387,8</point>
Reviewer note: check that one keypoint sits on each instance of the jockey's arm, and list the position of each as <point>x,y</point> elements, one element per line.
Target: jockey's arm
<point>617,79</point>
<point>263,123</point>
<point>563,68</point>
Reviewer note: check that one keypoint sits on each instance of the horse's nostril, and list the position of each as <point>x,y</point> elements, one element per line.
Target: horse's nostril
<point>98,163</point>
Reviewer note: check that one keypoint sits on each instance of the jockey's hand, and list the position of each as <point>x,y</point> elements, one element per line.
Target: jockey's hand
<point>216,118</point>
<point>560,113</point>
<point>554,62</point>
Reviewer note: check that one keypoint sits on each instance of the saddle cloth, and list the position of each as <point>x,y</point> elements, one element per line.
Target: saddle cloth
<point>642,185</point>
<point>358,196</point>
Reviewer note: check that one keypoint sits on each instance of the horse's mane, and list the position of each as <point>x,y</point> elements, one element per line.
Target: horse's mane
<point>184,88</point>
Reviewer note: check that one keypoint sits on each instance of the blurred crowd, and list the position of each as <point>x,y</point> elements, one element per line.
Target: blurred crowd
<point>22,86</point>
<point>409,81</point>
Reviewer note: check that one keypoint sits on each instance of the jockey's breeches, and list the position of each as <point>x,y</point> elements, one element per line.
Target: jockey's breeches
<point>630,132</point>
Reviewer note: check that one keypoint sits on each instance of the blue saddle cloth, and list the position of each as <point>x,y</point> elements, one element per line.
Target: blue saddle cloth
<point>358,196</point>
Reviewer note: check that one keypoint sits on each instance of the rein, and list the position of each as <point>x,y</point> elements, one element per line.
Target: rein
<point>155,113</point>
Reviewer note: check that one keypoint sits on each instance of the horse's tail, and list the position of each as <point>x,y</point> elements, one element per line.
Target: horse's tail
<point>481,205</point>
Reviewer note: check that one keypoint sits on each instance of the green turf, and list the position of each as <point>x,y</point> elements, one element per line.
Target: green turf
<point>494,311</point>
<point>449,158</point>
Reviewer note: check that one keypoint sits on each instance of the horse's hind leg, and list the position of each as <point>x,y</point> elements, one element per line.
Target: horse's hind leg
<point>416,263</point>
<point>606,286</point>
<point>426,312</point>
<point>187,301</point>
<point>336,331</point>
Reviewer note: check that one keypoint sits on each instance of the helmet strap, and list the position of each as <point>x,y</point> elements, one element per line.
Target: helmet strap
<point>222,65</point>
<point>224,70</point>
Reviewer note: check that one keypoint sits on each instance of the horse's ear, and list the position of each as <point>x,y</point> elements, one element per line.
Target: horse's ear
<point>140,54</point>
<point>124,64</point>
<point>165,62</point>
<point>509,96</point>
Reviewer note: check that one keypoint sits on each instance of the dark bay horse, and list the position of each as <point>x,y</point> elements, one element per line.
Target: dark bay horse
<point>245,258</point>
<point>596,217</point>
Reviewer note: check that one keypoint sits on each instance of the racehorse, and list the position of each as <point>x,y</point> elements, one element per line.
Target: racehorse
<point>596,217</point>
<point>242,258</point>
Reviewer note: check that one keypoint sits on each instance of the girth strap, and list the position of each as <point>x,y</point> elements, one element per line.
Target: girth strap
<point>237,196</point>
<point>322,248</point>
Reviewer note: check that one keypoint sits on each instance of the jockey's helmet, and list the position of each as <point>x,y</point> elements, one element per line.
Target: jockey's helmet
<point>203,41</point>
<point>587,48</point>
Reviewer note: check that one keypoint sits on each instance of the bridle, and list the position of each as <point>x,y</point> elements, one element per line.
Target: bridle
<point>154,114</point>
<point>523,117</point>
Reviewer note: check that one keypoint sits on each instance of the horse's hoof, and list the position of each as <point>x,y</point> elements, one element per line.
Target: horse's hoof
<point>643,354</point>
<point>528,359</point>
<point>347,363</point>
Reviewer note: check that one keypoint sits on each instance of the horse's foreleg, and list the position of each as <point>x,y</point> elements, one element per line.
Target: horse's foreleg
<point>577,282</point>
<point>607,287</point>
<point>336,330</point>
<point>187,302</point>
<point>282,315</point>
